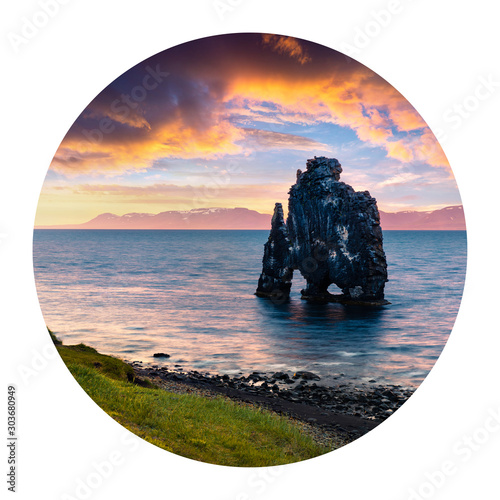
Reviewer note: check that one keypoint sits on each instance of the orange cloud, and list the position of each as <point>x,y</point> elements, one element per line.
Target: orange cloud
<point>286,45</point>
<point>201,111</point>
<point>399,151</point>
<point>363,102</point>
<point>267,139</point>
<point>111,154</point>
<point>118,113</point>
<point>429,149</point>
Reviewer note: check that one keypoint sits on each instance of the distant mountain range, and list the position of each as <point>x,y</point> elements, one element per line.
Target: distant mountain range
<point>198,218</point>
<point>446,218</point>
<point>242,218</point>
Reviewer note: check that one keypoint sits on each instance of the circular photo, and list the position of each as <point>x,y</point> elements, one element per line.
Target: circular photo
<point>249,249</point>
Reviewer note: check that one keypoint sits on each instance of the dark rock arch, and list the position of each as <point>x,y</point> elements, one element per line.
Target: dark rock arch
<point>332,235</point>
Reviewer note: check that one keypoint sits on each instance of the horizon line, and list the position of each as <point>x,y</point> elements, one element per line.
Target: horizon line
<point>42,228</point>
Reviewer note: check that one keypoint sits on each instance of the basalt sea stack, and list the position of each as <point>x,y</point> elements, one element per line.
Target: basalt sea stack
<point>332,235</point>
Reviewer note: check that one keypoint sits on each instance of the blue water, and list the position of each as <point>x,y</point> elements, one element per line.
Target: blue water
<point>190,294</point>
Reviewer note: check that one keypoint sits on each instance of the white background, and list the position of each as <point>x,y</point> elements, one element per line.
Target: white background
<point>435,53</point>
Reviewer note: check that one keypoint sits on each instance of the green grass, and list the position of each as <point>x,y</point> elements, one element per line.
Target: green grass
<point>53,337</point>
<point>215,430</point>
<point>83,355</point>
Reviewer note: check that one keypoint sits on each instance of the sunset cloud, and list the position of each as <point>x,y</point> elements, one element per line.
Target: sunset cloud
<point>204,111</point>
<point>111,153</point>
<point>378,114</point>
<point>286,45</point>
<point>401,178</point>
<point>268,102</point>
<point>268,139</point>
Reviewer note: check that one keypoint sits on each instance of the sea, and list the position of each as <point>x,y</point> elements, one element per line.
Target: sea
<point>190,294</point>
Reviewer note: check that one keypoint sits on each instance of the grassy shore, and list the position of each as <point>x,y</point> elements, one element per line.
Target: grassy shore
<point>215,430</point>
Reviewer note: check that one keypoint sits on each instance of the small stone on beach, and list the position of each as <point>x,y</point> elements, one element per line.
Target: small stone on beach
<point>306,376</point>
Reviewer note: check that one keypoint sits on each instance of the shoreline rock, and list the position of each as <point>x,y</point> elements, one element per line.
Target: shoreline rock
<point>355,409</point>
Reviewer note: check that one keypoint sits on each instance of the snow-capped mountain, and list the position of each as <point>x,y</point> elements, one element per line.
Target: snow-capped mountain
<point>198,218</point>
<point>445,218</point>
<point>243,218</point>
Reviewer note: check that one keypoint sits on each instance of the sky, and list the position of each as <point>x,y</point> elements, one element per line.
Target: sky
<point>226,121</point>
